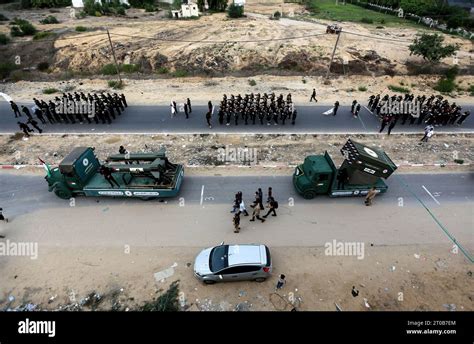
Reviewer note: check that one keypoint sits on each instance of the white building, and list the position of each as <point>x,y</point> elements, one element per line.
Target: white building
<point>187,11</point>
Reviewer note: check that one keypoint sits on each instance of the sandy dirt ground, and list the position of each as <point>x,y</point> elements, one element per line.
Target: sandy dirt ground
<point>275,153</point>
<point>437,280</point>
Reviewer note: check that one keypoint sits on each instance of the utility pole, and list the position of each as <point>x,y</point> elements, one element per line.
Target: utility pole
<point>334,50</point>
<point>115,59</point>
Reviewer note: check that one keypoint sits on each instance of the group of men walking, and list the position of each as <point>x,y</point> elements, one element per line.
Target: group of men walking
<point>70,109</point>
<point>253,109</point>
<point>257,206</point>
<point>433,110</point>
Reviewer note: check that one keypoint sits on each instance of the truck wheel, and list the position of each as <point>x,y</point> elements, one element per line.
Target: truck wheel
<point>62,192</point>
<point>309,194</point>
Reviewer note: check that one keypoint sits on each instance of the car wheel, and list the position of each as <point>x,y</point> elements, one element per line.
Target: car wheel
<point>260,279</point>
<point>209,282</point>
<point>309,194</point>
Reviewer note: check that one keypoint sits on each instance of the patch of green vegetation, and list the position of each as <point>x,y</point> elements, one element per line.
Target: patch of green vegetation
<point>81,28</point>
<point>398,89</point>
<point>180,73</point>
<point>43,34</point>
<point>252,82</point>
<point>49,20</point>
<point>304,81</point>
<point>4,39</point>
<point>116,85</point>
<point>362,88</point>
<point>50,90</point>
<point>6,68</point>
<point>235,11</point>
<point>329,10</point>
<point>471,90</point>
<point>162,70</point>
<point>445,85</point>
<point>21,27</point>
<point>111,69</point>
<point>166,302</point>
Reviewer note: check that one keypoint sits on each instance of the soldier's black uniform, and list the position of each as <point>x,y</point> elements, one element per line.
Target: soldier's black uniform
<point>15,109</point>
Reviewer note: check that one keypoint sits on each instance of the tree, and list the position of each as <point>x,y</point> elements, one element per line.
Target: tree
<point>235,11</point>
<point>431,47</point>
<point>166,302</point>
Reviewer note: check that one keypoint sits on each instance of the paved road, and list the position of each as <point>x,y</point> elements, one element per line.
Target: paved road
<point>26,193</point>
<point>397,217</point>
<point>157,119</point>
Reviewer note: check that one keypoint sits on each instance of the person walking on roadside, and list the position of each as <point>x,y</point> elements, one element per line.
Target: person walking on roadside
<point>429,131</point>
<point>272,205</point>
<point>281,282</point>
<point>208,119</point>
<point>34,124</point>
<point>188,101</point>
<point>313,96</point>
<point>173,109</point>
<point>354,103</point>
<point>2,217</point>
<point>356,111</point>
<point>336,106</point>
<point>186,110</point>
<point>370,196</point>
<point>15,109</point>
<point>236,222</point>
<point>256,210</point>
<point>242,208</point>
<point>26,129</point>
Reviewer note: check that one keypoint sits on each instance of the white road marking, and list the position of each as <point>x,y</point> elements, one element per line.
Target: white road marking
<point>202,194</point>
<point>429,193</point>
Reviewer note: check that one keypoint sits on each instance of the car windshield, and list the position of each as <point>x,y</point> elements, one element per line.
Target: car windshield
<point>218,259</point>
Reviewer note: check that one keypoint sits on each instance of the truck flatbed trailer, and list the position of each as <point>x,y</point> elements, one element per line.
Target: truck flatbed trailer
<point>363,168</point>
<point>79,175</point>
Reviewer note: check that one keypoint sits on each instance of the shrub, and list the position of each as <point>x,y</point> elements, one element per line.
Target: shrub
<point>398,89</point>
<point>235,11</point>
<point>109,69</point>
<point>303,81</point>
<point>162,70</point>
<point>116,85</point>
<point>452,73</point>
<point>4,39</point>
<point>42,34</point>
<point>22,27</point>
<point>6,68</point>
<point>50,20</point>
<point>129,68</point>
<point>471,90</point>
<point>3,18</point>
<point>362,88</point>
<point>150,8</point>
<point>179,73</point>
<point>445,85</point>
<point>167,302</point>
<point>43,66</point>
<point>252,82</point>
<point>81,28</point>
<point>277,15</point>
<point>367,20</point>
<point>121,10</point>
<point>50,90</point>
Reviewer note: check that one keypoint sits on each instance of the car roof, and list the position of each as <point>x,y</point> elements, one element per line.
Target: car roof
<point>246,254</point>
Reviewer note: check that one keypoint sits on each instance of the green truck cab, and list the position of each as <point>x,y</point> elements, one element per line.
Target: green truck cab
<point>139,175</point>
<point>363,168</point>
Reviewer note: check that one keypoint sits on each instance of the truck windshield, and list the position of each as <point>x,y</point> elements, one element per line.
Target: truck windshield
<point>218,258</point>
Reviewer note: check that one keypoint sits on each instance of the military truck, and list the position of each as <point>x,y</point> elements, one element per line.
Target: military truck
<point>363,168</point>
<point>139,175</point>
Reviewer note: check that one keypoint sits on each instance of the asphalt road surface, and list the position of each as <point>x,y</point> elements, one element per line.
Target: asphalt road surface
<point>157,119</point>
<point>417,209</point>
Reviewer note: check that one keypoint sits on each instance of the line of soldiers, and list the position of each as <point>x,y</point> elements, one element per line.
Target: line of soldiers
<point>433,110</point>
<point>72,108</point>
<point>253,108</point>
